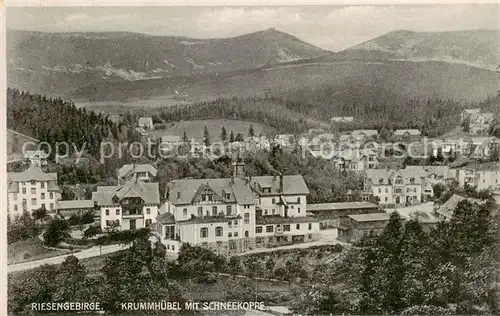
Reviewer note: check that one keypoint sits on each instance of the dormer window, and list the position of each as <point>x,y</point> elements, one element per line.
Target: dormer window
<point>228,196</point>
<point>412,180</point>
<point>178,195</point>
<point>380,181</point>
<point>399,180</point>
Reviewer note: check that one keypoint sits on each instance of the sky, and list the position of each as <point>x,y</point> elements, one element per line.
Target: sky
<point>329,27</point>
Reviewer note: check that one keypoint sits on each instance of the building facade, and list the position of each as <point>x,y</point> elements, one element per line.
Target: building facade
<point>143,172</point>
<point>30,190</point>
<point>363,227</point>
<point>330,214</point>
<point>480,176</point>
<point>237,214</point>
<point>394,187</point>
<point>132,205</point>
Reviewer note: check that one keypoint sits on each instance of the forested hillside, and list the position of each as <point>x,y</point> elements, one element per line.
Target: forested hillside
<point>54,120</point>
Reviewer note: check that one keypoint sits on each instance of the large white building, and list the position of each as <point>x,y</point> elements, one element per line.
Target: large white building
<point>394,187</point>
<point>480,176</point>
<point>30,190</point>
<point>236,214</point>
<point>132,205</point>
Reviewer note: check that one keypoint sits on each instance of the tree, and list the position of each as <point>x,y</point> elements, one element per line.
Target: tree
<point>70,280</point>
<point>185,139</point>
<point>438,190</point>
<point>231,137</point>
<point>40,213</point>
<point>251,132</point>
<point>239,137</point>
<point>206,137</point>
<point>91,232</point>
<point>57,231</point>
<point>223,134</point>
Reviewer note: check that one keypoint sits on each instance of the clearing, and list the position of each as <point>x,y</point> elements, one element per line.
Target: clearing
<point>195,128</point>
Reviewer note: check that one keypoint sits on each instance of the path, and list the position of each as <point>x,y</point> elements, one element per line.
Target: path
<point>87,253</point>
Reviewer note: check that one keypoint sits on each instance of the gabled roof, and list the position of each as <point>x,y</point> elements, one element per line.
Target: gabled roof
<point>425,171</point>
<point>449,206</point>
<point>183,191</point>
<point>148,192</point>
<point>387,175</point>
<point>355,155</point>
<point>293,184</point>
<point>32,173</point>
<point>129,169</point>
<point>277,219</point>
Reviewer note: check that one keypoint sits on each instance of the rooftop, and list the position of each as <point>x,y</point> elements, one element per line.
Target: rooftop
<point>165,218</point>
<point>340,206</point>
<point>129,169</point>
<point>132,188</point>
<point>276,219</point>
<point>75,204</point>
<point>372,217</point>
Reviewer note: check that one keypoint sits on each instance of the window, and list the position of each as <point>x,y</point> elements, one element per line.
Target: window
<point>24,190</point>
<point>228,196</point>
<point>207,213</point>
<point>148,211</point>
<point>386,190</point>
<point>286,228</point>
<point>33,190</point>
<point>414,189</point>
<point>298,200</point>
<point>385,199</point>
<point>107,212</point>
<point>309,236</point>
<point>399,180</point>
<point>148,222</point>
<point>173,247</point>
<point>274,201</point>
<point>43,196</point>
<point>218,231</point>
<point>235,234</point>
<point>247,234</point>
<point>228,210</point>
<point>230,235</point>
<point>185,212</point>
<point>230,223</point>
<point>200,211</point>
<point>412,180</point>
<point>274,211</point>
<point>33,201</point>
<point>380,181</point>
<point>51,206</point>
<point>108,223</point>
<point>15,196</point>
<point>117,211</point>
<point>297,226</point>
<point>298,210</point>
<point>42,185</point>
<point>51,195</point>
<point>310,226</point>
<point>246,218</point>
<point>235,223</point>
<point>33,182</point>
<point>204,232</point>
<point>214,210</point>
<point>168,247</point>
<point>269,229</point>
<point>266,212</point>
<point>258,229</point>
<point>379,190</point>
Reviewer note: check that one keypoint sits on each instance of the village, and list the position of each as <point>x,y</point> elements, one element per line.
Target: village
<point>242,213</point>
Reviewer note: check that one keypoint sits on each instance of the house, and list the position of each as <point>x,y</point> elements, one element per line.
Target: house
<point>330,214</point>
<point>146,123</point>
<point>481,176</point>
<point>445,211</point>
<point>467,113</point>
<point>356,159</point>
<point>342,119</point>
<point>432,175</point>
<point>365,134</point>
<point>68,208</point>
<point>36,157</point>
<point>144,172</point>
<point>231,215</point>
<point>132,205</point>
<point>363,227</point>
<point>394,187</point>
<point>30,190</point>
<point>406,135</point>
<point>284,140</point>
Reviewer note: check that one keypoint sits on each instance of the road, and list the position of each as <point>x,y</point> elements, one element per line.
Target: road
<point>87,253</point>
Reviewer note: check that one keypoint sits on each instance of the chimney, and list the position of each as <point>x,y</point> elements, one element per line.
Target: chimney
<point>281,183</point>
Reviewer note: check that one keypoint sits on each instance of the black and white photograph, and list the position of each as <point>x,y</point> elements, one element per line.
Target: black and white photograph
<point>251,159</point>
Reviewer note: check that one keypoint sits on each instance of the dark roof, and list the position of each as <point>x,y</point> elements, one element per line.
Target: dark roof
<point>32,173</point>
<point>130,169</point>
<point>340,206</point>
<point>165,218</point>
<point>276,219</point>
<point>372,217</point>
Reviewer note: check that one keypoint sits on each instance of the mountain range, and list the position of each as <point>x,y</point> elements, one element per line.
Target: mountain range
<point>119,66</point>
